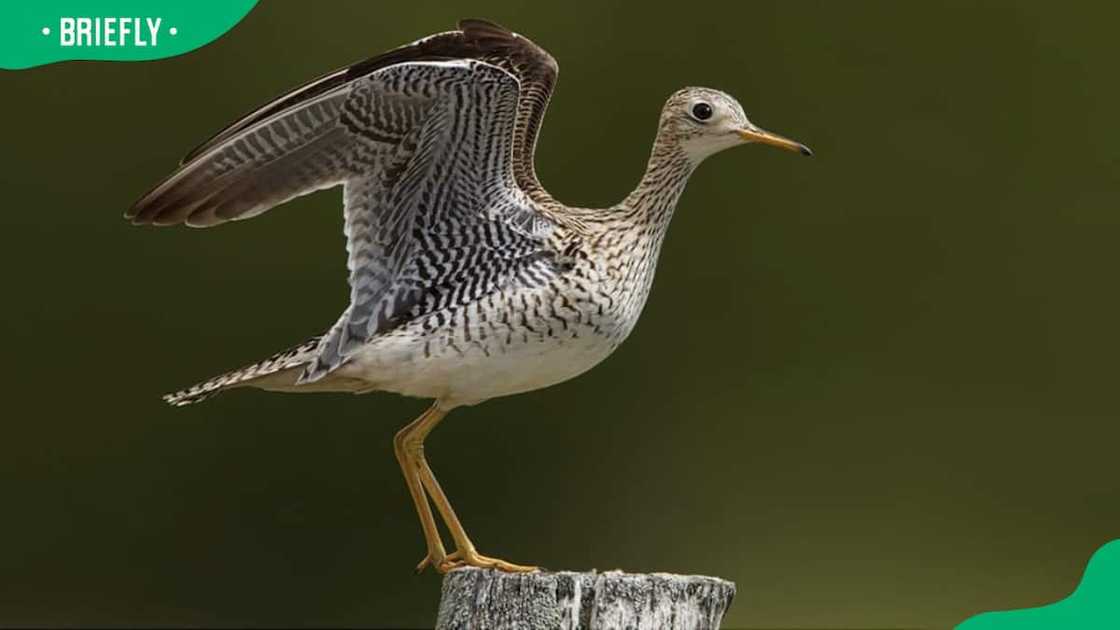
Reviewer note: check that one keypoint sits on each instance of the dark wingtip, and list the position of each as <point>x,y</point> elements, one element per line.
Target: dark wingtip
<point>481,24</point>
<point>806,151</point>
<point>135,214</point>
<point>478,28</point>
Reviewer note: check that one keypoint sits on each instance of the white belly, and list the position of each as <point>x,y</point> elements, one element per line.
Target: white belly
<point>470,373</point>
<point>504,345</point>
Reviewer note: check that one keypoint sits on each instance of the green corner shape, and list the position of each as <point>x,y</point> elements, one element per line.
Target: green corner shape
<point>39,32</point>
<point>1093,605</point>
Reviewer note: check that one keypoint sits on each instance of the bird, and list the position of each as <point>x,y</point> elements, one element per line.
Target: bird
<point>468,281</point>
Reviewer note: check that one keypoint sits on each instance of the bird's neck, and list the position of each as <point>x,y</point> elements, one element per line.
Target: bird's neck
<point>652,203</point>
<point>635,229</point>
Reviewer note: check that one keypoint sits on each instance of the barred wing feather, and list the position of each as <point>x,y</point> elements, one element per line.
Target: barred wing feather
<point>423,150</point>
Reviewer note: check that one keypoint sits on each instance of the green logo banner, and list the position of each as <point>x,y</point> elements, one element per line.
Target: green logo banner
<point>1093,605</point>
<point>37,32</point>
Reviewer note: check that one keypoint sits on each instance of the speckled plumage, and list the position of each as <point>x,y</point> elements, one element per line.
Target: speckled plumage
<point>468,281</point>
<point>458,257</point>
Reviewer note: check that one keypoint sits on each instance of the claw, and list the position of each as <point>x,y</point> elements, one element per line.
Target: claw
<point>475,559</point>
<point>472,558</point>
<point>427,561</point>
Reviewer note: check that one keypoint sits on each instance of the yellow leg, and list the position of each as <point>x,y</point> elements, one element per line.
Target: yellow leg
<point>465,553</point>
<point>436,551</point>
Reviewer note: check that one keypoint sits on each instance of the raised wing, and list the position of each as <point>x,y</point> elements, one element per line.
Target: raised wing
<point>435,153</point>
<point>425,153</point>
<point>536,70</point>
<point>533,67</point>
<point>306,148</point>
<point>447,186</point>
<point>288,147</point>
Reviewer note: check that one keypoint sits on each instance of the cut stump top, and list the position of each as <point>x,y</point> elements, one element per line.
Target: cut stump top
<point>484,599</point>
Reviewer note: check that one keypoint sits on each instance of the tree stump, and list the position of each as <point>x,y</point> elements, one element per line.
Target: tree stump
<point>481,599</point>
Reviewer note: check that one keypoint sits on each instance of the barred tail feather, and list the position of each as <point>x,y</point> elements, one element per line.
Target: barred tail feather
<point>293,357</point>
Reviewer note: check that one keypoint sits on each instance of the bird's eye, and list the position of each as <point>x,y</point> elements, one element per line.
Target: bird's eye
<point>701,111</point>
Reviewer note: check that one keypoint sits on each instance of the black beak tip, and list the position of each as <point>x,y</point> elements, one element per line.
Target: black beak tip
<point>805,151</point>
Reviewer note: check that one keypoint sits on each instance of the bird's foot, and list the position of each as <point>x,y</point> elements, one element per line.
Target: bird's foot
<point>472,558</point>
<point>436,562</point>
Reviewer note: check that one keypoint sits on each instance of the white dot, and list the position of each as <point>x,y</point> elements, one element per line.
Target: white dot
<point>173,31</point>
<point>46,30</point>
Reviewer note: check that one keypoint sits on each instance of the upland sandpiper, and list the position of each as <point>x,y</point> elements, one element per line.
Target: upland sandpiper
<point>468,281</point>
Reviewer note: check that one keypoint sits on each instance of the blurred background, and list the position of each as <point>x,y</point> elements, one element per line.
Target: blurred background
<point>874,388</point>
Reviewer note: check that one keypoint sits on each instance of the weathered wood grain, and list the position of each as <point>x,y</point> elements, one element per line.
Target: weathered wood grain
<point>477,599</point>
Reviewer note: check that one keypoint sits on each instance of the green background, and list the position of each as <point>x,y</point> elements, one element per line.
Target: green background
<point>875,388</point>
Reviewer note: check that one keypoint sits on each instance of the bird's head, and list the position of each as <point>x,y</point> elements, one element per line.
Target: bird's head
<point>703,122</point>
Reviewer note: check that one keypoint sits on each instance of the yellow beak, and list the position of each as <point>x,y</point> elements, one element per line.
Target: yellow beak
<point>754,134</point>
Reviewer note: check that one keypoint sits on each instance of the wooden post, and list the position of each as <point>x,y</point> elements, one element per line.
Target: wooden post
<point>478,599</point>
